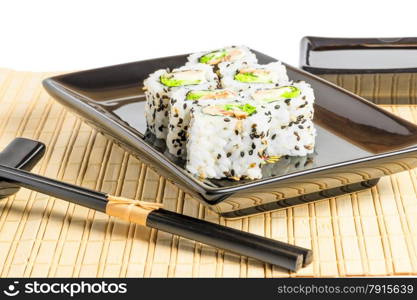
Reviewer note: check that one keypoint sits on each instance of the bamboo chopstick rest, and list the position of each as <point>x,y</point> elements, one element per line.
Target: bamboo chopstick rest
<point>130,210</point>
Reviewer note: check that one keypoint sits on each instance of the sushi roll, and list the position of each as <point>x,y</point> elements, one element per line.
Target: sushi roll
<point>297,139</point>
<point>230,54</point>
<point>244,76</point>
<point>297,98</point>
<point>162,83</point>
<point>227,140</point>
<point>181,103</point>
<point>291,107</point>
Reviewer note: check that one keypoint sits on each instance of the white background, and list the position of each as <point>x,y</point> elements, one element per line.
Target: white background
<point>70,35</point>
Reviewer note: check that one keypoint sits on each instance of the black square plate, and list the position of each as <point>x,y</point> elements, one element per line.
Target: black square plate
<point>357,141</point>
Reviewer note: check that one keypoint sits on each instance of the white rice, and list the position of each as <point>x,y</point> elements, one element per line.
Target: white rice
<point>302,105</point>
<point>297,139</point>
<point>221,147</point>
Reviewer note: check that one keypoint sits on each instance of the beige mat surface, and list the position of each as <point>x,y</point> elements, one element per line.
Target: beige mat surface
<point>370,233</point>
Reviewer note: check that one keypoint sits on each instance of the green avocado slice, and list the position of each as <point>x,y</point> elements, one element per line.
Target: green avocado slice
<point>184,77</point>
<point>172,82</point>
<point>196,95</point>
<point>247,108</point>
<point>249,77</point>
<point>290,92</point>
<point>213,57</point>
<point>210,94</point>
<point>238,111</point>
<point>276,94</point>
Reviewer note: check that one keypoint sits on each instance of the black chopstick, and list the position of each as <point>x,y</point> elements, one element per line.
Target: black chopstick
<point>152,215</point>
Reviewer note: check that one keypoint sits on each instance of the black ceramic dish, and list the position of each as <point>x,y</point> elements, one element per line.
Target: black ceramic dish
<point>357,142</point>
<point>382,70</point>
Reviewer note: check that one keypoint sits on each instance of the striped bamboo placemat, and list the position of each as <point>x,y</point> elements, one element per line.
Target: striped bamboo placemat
<point>380,88</point>
<point>370,233</point>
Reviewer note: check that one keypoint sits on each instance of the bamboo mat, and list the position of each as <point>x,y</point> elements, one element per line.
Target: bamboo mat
<point>370,233</point>
<point>380,88</point>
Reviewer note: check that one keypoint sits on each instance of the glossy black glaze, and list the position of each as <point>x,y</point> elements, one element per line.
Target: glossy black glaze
<point>352,132</point>
<point>22,154</point>
<point>389,55</point>
<point>247,244</point>
<point>75,194</point>
<point>305,198</point>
